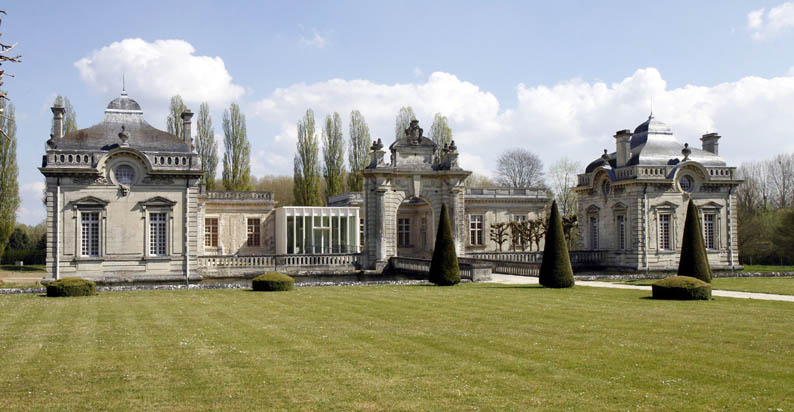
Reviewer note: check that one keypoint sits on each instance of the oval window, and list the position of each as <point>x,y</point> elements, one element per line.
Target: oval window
<point>686,183</point>
<point>125,175</point>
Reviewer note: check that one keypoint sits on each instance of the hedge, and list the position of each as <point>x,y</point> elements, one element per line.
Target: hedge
<point>71,287</point>
<point>681,288</point>
<point>694,261</point>
<point>272,282</point>
<point>30,257</point>
<point>555,268</point>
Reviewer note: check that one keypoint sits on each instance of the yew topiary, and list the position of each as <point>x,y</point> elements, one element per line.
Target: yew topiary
<point>555,269</point>
<point>681,288</point>
<point>444,270</point>
<point>71,287</point>
<point>273,282</point>
<point>694,261</point>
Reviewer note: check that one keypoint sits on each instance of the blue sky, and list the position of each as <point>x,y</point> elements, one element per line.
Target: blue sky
<point>555,77</point>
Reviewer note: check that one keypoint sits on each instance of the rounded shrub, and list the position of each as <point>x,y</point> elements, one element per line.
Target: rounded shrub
<point>555,268</point>
<point>681,288</point>
<point>71,287</point>
<point>273,282</point>
<point>444,269</point>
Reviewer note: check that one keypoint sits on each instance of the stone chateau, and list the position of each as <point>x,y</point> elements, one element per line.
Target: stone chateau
<point>125,203</point>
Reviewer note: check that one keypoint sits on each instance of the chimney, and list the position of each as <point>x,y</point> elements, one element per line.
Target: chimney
<point>57,117</point>
<point>186,133</point>
<point>711,143</point>
<point>623,147</point>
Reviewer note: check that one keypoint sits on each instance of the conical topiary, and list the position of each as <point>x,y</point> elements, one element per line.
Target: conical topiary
<point>444,269</point>
<point>555,269</point>
<point>694,262</point>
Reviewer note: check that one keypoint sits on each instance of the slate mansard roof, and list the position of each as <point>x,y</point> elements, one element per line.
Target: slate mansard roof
<point>653,144</point>
<point>123,111</point>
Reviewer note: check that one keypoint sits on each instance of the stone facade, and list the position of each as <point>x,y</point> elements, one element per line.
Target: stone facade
<point>632,202</point>
<point>241,223</point>
<point>412,184</point>
<point>122,198</point>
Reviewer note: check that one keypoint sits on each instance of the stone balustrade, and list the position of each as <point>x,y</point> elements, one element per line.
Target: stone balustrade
<point>71,159</point>
<point>265,261</point>
<point>240,195</point>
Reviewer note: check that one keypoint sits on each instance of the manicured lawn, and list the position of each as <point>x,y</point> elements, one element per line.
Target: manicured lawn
<point>395,348</point>
<point>778,285</point>
<point>767,268</point>
<point>21,276</point>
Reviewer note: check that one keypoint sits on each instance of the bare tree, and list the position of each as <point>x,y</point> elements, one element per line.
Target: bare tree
<point>499,233</point>
<point>333,156</point>
<point>478,180</point>
<point>237,154</point>
<point>402,121</point>
<point>440,133</point>
<point>562,175</point>
<point>358,153</point>
<point>306,172</point>
<point>519,168</point>
<point>174,120</point>
<point>206,146</point>
<point>780,172</point>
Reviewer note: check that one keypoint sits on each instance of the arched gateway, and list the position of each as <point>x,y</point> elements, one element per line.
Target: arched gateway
<point>403,198</point>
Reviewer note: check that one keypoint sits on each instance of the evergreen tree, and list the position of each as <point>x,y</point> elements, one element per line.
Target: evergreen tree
<point>70,116</point>
<point>694,261</point>
<point>174,121</point>
<point>555,269</point>
<point>333,155</point>
<point>306,173</point>
<point>236,159</point>
<point>19,240</point>
<point>441,134</point>
<point>206,146</point>
<point>444,269</point>
<point>358,154</point>
<point>402,122</point>
<point>9,186</point>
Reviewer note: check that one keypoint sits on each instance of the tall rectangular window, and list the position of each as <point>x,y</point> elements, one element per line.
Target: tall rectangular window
<point>621,232</point>
<point>593,233</point>
<point>157,234</point>
<point>361,231</point>
<point>211,232</point>
<point>90,233</point>
<point>475,230</point>
<point>423,232</point>
<point>708,230</point>
<point>664,231</point>
<point>403,232</point>
<point>253,232</point>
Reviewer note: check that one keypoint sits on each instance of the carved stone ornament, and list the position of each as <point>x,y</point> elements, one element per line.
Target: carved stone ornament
<point>124,136</point>
<point>378,145</point>
<point>414,132</point>
<point>98,180</point>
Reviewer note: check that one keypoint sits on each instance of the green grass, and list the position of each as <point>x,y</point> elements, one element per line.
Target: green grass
<point>777,285</point>
<point>767,268</point>
<point>395,348</point>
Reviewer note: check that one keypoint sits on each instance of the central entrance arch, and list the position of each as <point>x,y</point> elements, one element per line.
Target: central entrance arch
<point>415,235</point>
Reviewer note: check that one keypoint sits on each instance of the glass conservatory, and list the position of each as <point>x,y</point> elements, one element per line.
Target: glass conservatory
<point>317,230</point>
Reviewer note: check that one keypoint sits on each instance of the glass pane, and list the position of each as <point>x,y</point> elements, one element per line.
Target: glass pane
<point>318,241</point>
<point>326,241</point>
<point>299,230</point>
<point>290,235</point>
<point>343,235</point>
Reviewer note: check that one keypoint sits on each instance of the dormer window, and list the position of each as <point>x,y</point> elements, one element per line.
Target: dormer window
<point>125,174</point>
<point>686,184</point>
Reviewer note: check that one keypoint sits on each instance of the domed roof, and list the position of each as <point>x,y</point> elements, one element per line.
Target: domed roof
<point>653,126</point>
<point>123,104</point>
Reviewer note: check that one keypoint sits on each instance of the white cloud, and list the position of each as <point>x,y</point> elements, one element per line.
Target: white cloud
<point>573,118</point>
<point>418,72</point>
<point>157,70</point>
<point>316,40</point>
<point>31,212</point>
<point>764,24</point>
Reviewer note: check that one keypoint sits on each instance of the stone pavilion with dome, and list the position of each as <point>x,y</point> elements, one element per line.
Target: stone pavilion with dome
<point>632,202</point>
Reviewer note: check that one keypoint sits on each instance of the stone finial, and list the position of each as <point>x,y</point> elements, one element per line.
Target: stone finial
<point>605,156</point>
<point>51,143</point>
<point>124,136</point>
<point>377,145</point>
<point>414,132</point>
<point>452,147</point>
<point>686,151</point>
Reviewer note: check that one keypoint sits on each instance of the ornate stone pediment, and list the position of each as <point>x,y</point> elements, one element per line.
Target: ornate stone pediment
<point>157,201</point>
<point>88,202</point>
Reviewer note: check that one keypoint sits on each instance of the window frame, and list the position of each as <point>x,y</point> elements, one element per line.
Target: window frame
<point>476,229</point>
<point>403,232</point>
<point>621,232</point>
<point>594,238</point>
<point>216,233</point>
<point>96,233</point>
<point>157,244</point>
<point>253,232</point>
<point>664,238</point>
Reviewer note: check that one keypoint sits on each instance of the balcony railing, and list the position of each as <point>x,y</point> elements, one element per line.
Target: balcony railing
<point>265,261</point>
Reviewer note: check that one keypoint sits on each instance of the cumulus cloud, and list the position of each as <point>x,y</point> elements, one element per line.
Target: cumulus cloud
<point>574,118</point>
<point>157,70</point>
<point>30,211</point>
<point>763,23</point>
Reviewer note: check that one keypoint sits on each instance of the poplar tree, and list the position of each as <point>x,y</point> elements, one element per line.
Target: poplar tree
<point>236,159</point>
<point>206,146</point>
<point>402,122</point>
<point>306,174</point>
<point>174,121</point>
<point>441,134</point>
<point>69,118</point>
<point>9,186</point>
<point>358,152</point>
<point>333,156</point>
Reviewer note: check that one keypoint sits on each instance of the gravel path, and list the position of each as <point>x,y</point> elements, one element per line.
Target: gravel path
<point>528,280</point>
